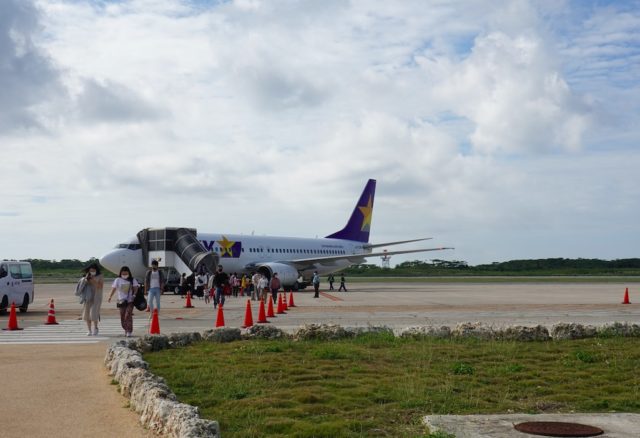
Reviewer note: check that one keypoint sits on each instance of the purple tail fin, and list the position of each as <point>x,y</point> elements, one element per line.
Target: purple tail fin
<point>359,223</point>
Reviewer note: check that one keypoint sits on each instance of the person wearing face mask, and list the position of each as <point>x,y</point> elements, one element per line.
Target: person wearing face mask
<point>153,286</point>
<point>91,307</point>
<point>220,280</point>
<point>126,286</point>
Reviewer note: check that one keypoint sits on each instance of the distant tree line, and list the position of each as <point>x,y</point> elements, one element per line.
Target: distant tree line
<point>553,266</point>
<point>40,265</point>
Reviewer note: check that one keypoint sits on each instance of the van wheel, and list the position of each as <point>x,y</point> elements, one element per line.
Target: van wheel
<point>4,304</point>
<point>25,304</point>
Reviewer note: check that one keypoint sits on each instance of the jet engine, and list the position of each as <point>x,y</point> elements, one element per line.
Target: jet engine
<point>287,274</point>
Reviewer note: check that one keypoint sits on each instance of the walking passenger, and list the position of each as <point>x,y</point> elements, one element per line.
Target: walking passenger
<point>275,286</point>
<point>316,284</point>
<point>220,280</point>
<point>154,285</point>
<point>91,307</point>
<point>126,286</point>
<point>342,285</point>
<point>255,280</point>
<point>331,279</point>
<point>244,283</point>
<point>183,285</point>
<point>235,284</point>
<point>263,288</point>
<point>201,282</point>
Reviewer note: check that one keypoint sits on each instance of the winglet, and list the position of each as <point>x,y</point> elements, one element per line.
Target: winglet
<point>359,223</point>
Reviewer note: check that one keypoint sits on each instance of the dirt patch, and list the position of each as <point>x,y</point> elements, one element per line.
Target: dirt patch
<point>61,391</point>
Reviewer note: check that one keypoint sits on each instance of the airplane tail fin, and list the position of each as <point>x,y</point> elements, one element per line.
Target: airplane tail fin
<point>359,223</point>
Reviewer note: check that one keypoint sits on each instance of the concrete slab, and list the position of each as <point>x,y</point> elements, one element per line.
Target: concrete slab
<point>501,426</point>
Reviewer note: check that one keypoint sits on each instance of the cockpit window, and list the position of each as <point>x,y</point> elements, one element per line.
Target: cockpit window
<point>132,246</point>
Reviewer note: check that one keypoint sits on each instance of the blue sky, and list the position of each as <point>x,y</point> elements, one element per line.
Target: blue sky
<point>505,129</point>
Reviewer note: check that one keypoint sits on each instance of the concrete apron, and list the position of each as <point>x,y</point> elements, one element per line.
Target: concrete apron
<point>499,426</point>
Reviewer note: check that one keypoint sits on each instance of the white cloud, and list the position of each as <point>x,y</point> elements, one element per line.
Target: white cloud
<point>270,116</point>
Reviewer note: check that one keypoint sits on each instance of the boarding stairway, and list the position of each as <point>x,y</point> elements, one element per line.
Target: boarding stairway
<point>168,244</point>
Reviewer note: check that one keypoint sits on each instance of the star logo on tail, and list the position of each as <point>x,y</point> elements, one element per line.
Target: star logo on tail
<point>366,211</point>
<point>226,247</point>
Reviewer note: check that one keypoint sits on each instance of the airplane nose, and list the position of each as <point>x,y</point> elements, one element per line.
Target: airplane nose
<point>111,261</point>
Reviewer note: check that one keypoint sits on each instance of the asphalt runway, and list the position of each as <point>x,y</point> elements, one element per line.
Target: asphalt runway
<point>395,305</point>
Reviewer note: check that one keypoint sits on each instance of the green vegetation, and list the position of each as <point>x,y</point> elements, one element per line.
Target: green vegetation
<point>539,267</point>
<point>545,270</point>
<point>52,271</point>
<point>378,385</point>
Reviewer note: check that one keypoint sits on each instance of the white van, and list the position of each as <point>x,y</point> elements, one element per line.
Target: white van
<point>16,285</point>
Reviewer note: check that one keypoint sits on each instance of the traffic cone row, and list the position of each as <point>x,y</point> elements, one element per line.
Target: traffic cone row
<point>262,315</point>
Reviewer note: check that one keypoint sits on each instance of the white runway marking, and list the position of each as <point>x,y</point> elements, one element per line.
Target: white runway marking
<point>66,332</point>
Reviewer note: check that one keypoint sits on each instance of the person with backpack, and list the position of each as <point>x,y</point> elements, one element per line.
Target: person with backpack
<point>154,282</point>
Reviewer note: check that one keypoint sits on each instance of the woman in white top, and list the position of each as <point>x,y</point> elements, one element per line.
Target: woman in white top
<point>91,307</point>
<point>126,286</point>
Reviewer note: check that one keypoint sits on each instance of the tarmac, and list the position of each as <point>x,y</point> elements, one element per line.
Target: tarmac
<point>61,387</point>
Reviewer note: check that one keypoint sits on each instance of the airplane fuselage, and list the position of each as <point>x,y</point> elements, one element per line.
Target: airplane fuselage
<point>243,254</point>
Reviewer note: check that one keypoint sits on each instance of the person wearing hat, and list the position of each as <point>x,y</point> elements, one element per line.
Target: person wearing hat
<point>153,285</point>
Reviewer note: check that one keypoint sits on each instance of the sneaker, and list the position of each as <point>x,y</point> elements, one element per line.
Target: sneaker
<point>89,333</point>
<point>95,332</point>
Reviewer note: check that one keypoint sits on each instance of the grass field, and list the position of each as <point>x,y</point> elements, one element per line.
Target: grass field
<point>378,385</point>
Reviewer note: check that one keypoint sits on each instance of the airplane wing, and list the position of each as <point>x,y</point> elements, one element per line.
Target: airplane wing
<point>399,242</point>
<point>352,258</point>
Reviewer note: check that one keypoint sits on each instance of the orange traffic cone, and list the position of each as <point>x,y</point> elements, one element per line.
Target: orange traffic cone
<point>220,317</point>
<point>262,318</point>
<point>51,317</point>
<point>248,317</point>
<point>280,306</point>
<point>13,320</point>
<point>155,323</point>
<point>270,313</point>
<point>626,297</point>
<point>188,305</point>
<point>291,299</point>
<point>284,301</point>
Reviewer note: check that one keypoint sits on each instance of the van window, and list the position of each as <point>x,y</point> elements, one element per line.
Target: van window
<point>3,271</point>
<point>26,272</point>
<point>15,271</point>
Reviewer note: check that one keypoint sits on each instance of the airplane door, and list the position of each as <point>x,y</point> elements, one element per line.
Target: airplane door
<point>263,252</point>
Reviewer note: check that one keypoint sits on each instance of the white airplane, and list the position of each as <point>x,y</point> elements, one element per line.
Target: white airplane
<point>293,259</point>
